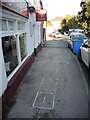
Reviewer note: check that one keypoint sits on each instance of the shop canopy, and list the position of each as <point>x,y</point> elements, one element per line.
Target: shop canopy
<point>18,6</point>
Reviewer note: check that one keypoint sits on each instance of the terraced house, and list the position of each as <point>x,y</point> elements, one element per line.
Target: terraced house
<point>20,40</point>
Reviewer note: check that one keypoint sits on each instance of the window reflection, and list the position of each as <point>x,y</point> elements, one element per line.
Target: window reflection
<point>88,43</point>
<point>21,25</point>
<point>4,25</point>
<point>22,39</point>
<point>10,53</point>
<point>11,25</point>
<point>79,37</point>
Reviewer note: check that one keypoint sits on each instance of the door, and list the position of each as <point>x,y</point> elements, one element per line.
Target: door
<point>85,52</point>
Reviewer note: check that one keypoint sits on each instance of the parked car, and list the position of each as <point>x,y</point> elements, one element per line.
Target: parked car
<point>50,35</point>
<point>53,34</point>
<point>58,35</point>
<point>66,33</point>
<point>75,41</point>
<point>84,53</point>
<point>75,30</point>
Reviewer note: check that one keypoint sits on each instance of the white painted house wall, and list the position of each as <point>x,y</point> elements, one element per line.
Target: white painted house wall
<point>3,78</point>
<point>31,43</point>
<point>30,38</point>
<point>11,16</point>
<point>37,37</point>
<point>56,24</point>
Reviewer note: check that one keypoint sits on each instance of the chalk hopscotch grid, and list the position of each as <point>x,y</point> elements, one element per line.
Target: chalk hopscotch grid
<point>45,97</point>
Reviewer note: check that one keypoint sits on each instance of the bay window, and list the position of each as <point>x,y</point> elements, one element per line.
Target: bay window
<point>22,39</point>
<point>10,53</point>
<point>13,44</point>
<point>21,25</point>
<point>4,25</point>
<point>11,25</point>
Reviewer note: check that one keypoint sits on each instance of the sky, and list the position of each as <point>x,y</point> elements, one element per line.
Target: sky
<point>61,7</point>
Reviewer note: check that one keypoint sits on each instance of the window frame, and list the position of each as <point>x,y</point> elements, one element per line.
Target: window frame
<point>11,33</point>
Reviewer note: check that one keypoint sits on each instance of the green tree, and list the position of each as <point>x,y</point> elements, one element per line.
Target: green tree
<point>72,23</point>
<point>64,25</point>
<point>69,22</point>
<point>83,17</point>
<point>68,17</point>
<point>88,14</point>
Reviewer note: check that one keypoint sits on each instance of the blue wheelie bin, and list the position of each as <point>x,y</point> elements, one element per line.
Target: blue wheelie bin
<point>76,45</point>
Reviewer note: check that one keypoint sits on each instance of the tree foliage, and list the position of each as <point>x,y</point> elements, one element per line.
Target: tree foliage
<point>48,22</point>
<point>83,17</point>
<point>81,20</point>
<point>69,22</point>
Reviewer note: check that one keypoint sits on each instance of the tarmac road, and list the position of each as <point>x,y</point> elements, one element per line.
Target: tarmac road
<point>53,87</point>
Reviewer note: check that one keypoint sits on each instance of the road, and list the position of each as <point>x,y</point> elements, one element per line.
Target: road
<point>53,87</point>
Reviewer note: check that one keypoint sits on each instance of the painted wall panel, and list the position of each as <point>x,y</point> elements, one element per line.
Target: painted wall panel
<point>3,78</point>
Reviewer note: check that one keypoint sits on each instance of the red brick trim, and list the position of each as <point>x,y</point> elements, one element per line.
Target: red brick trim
<point>36,50</point>
<point>16,80</point>
<point>0,108</point>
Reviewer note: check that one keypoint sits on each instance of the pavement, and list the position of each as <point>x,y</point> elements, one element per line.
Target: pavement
<point>53,87</point>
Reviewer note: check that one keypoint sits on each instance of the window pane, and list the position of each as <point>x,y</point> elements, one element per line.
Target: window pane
<point>11,25</point>
<point>0,25</point>
<point>78,37</point>
<point>88,43</point>
<point>4,25</point>
<point>21,25</point>
<point>22,38</point>
<point>10,53</point>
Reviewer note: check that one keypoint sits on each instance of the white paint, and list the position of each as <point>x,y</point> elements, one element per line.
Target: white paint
<point>44,99</point>
<point>66,62</point>
<point>54,94</point>
<point>45,96</point>
<point>18,49</point>
<point>43,107</point>
<point>3,78</point>
<point>29,38</point>
<point>38,92</point>
<point>47,93</point>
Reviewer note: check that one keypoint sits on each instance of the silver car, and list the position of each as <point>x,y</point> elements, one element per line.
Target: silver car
<point>58,35</point>
<point>84,53</point>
